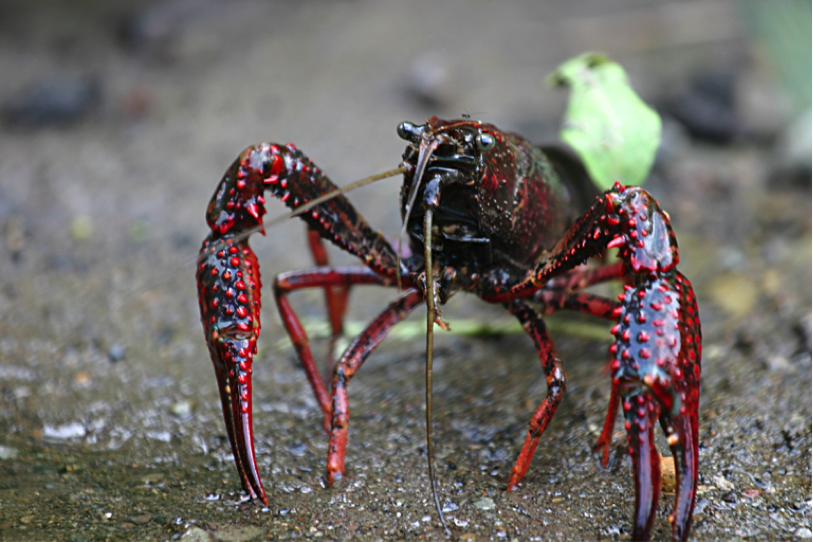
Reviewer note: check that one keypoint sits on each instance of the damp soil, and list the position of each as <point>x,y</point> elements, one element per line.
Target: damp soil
<point>110,425</point>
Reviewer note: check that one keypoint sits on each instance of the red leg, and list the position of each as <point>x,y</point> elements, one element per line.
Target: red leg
<point>555,300</point>
<point>327,278</point>
<point>580,278</point>
<point>347,366</point>
<point>534,325</point>
<point>335,299</point>
<point>596,305</point>
<point>606,438</point>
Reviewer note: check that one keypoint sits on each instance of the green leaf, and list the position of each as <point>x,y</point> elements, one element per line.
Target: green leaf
<point>613,131</point>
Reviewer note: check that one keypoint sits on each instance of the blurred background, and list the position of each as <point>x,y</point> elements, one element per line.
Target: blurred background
<point>117,119</point>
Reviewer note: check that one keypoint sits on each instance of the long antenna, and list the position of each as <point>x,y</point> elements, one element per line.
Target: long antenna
<point>274,221</point>
<point>430,335</point>
<point>342,190</point>
<point>424,154</point>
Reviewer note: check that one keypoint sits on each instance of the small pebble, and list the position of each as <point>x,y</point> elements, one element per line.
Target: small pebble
<point>196,534</point>
<point>116,353</point>
<point>803,532</point>
<point>154,479</point>
<point>485,504</point>
<point>298,449</point>
<point>162,436</point>
<point>182,409</point>
<point>449,506</point>
<point>780,364</point>
<point>7,452</point>
<point>64,431</point>
<point>140,519</point>
<point>81,228</point>
<point>236,533</point>
<point>722,483</point>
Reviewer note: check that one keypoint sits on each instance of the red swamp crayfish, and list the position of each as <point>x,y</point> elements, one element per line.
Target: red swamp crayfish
<point>485,212</point>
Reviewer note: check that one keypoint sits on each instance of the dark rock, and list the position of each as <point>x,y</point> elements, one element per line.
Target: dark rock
<point>707,109</point>
<point>116,353</point>
<point>55,99</point>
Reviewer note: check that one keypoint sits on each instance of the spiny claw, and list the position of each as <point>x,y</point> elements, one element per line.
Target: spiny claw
<point>646,464</point>
<point>684,444</point>
<point>229,279</point>
<point>657,373</point>
<point>229,286</point>
<point>235,397</point>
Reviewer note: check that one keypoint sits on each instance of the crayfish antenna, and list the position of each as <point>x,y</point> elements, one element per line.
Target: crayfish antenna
<point>424,154</point>
<point>163,275</point>
<point>430,335</point>
<point>302,209</point>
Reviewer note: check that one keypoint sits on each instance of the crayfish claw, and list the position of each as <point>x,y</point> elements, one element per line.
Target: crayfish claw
<point>235,397</point>
<point>641,410</point>
<point>657,373</point>
<point>229,297</point>
<point>684,444</point>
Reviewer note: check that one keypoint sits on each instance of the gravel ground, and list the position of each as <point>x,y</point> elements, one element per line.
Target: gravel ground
<point>119,120</point>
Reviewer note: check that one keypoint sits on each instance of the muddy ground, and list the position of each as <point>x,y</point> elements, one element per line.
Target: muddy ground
<point>118,119</point>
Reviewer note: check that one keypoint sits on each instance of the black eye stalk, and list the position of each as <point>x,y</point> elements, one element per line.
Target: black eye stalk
<point>410,132</point>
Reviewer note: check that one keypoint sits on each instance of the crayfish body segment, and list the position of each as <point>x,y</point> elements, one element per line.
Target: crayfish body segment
<point>505,224</point>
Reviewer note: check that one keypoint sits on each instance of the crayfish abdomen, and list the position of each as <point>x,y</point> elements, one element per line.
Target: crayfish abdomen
<point>488,213</point>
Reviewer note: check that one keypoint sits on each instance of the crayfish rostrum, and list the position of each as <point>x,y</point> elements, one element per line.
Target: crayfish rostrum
<point>485,212</point>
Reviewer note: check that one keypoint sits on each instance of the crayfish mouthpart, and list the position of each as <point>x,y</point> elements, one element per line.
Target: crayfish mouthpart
<point>426,149</point>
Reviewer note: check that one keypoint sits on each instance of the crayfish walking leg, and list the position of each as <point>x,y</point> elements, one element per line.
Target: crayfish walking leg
<point>350,362</point>
<point>534,325</point>
<point>319,277</point>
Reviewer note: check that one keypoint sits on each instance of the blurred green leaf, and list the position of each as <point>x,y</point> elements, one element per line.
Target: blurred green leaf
<point>613,131</point>
<point>319,328</point>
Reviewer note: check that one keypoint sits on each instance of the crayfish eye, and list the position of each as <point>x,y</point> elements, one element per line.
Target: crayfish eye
<point>409,132</point>
<point>485,141</point>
